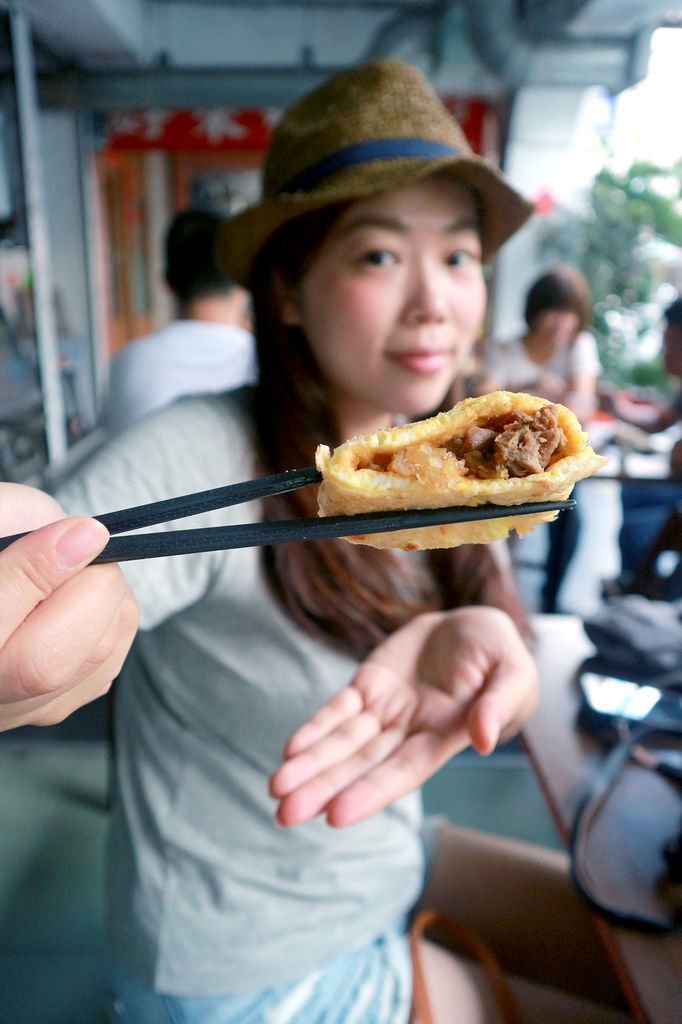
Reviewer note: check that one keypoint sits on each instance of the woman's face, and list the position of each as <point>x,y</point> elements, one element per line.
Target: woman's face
<point>554,329</point>
<point>392,302</point>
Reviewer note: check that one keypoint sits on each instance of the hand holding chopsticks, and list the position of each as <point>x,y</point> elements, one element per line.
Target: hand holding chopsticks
<point>218,538</point>
<point>64,634</point>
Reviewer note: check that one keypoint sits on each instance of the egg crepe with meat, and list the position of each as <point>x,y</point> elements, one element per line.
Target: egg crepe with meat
<point>504,448</point>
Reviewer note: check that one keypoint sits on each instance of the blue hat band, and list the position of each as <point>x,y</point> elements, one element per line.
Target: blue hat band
<point>364,152</point>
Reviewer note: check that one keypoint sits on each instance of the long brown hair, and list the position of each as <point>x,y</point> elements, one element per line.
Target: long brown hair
<point>353,596</point>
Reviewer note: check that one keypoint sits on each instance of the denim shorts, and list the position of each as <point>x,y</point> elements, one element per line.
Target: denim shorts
<point>371,985</point>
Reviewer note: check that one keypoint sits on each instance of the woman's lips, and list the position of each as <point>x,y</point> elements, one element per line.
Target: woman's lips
<point>421,362</point>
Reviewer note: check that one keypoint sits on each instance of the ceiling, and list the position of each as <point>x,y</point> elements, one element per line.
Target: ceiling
<point>188,52</point>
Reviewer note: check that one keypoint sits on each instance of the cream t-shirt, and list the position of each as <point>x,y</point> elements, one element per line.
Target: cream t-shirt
<point>206,894</point>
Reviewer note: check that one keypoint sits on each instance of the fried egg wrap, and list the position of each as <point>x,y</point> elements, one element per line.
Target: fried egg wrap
<point>503,448</point>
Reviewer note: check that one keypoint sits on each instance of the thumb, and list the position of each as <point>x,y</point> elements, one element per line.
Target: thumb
<point>505,703</point>
<point>34,566</point>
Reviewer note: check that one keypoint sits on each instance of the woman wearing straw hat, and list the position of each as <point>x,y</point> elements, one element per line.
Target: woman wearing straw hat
<point>364,259</point>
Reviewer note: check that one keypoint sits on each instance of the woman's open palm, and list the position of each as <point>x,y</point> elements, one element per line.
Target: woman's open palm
<point>443,682</point>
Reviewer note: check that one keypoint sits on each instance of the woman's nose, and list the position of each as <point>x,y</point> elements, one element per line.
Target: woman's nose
<point>426,301</point>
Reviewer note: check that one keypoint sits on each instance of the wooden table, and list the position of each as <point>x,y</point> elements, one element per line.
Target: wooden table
<point>649,965</point>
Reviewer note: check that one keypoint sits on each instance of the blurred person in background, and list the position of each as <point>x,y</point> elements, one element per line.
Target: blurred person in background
<point>646,506</point>
<point>556,357</point>
<point>207,348</point>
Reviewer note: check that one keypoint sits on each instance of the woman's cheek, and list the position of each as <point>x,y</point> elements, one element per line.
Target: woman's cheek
<point>365,301</point>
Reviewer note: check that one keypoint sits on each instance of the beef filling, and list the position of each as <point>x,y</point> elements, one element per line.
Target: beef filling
<point>516,445</point>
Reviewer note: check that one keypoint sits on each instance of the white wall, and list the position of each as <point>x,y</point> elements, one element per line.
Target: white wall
<point>553,149</point>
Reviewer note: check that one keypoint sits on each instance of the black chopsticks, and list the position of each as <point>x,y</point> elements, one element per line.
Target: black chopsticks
<point>217,538</point>
<point>245,535</point>
<point>206,501</point>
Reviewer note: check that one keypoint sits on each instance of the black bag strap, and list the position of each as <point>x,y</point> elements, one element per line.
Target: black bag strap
<point>627,822</point>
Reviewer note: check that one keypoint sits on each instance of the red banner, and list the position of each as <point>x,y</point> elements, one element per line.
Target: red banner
<point>471,115</point>
<point>218,129</point>
<point>190,130</point>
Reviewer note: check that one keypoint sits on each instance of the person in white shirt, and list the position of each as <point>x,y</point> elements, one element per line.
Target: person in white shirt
<point>208,348</point>
<point>556,357</point>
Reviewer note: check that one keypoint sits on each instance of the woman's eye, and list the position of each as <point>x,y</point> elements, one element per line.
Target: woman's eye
<point>379,257</point>
<point>462,258</point>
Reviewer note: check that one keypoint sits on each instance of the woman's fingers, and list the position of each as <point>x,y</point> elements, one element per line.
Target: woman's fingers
<point>340,733</point>
<point>312,796</point>
<point>58,643</point>
<point>49,709</point>
<point>332,716</point>
<point>338,746</point>
<point>32,568</point>
<point>52,706</point>
<point>24,508</point>
<point>64,629</point>
<point>505,703</point>
<point>385,769</point>
<point>408,767</point>
<point>375,759</point>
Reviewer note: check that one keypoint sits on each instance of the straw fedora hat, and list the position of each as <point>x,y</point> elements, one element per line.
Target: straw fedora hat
<point>364,131</point>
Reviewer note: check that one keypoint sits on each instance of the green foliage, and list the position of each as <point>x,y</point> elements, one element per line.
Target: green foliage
<point>624,241</point>
<point>649,374</point>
